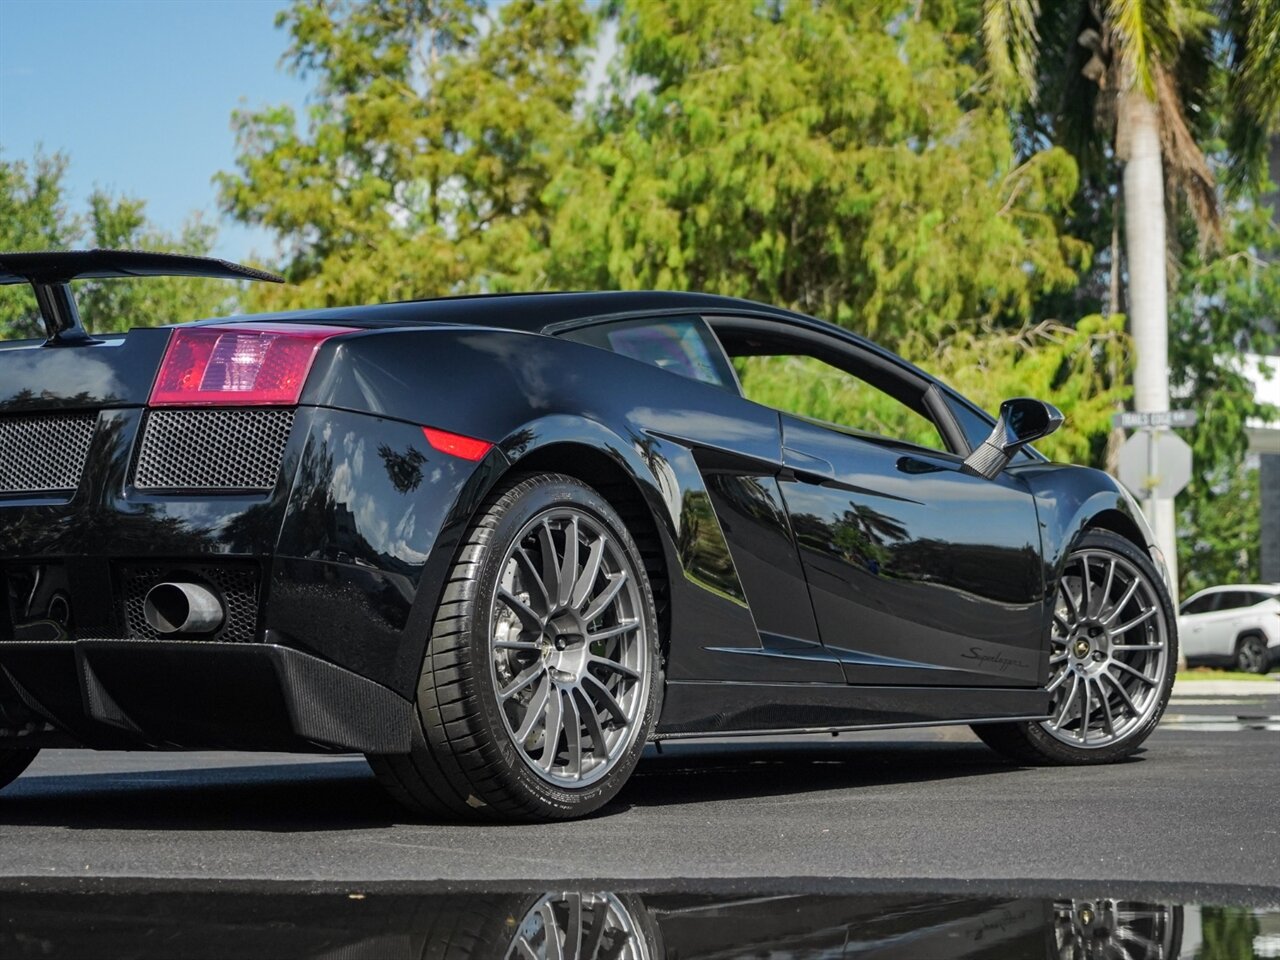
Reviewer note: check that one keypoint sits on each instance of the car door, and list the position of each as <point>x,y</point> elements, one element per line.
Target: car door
<point>1221,624</point>
<point>1194,625</point>
<point>918,573</point>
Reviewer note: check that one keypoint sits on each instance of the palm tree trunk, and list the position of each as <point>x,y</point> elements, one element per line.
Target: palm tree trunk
<point>1138,145</point>
<point>1116,438</point>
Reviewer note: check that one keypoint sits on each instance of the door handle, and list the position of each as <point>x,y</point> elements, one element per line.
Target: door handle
<point>803,466</point>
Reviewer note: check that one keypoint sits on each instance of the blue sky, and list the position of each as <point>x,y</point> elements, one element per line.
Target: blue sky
<point>139,94</point>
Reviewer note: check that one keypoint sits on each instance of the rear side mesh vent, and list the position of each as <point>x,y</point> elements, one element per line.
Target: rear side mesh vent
<point>212,449</point>
<point>44,453</point>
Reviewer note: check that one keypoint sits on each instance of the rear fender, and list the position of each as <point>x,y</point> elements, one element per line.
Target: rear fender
<point>529,393</point>
<point>704,609</point>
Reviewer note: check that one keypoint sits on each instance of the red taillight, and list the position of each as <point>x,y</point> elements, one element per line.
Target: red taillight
<point>242,364</point>
<point>468,448</point>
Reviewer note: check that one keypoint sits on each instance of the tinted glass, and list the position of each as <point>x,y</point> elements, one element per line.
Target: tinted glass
<point>682,345</point>
<point>1200,604</point>
<point>1233,600</point>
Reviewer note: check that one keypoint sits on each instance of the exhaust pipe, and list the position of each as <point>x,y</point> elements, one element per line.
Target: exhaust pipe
<point>182,608</point>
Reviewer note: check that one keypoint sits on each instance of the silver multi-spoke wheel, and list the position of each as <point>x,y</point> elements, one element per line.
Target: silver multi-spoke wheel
<point>1110,651</point>
<point>543,676</point>
<point>1115,930</point>
<point>578,926</point>
<point>570,657</point>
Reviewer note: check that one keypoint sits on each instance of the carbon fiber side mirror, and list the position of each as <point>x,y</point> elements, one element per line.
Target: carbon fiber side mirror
<point>1022,420</point>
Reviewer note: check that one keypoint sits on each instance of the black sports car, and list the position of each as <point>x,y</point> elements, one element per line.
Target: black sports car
<point>499,543</point>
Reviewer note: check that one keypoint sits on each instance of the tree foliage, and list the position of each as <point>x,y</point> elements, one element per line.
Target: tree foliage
<point>833,158</point>
<point>1223,310</point>
<point>35,215</point>
<point>1213,70</point>
<point>421,165</point>
<point>842,159</point>
<point>1071,61</point>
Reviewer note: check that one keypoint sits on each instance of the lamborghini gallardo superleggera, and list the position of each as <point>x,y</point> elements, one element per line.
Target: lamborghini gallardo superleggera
<point>498,544</point>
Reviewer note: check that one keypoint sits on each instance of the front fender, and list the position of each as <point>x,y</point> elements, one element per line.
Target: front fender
<point>1072,499</point>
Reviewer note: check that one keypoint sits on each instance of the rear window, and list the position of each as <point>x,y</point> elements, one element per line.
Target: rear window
<point>683,345</point>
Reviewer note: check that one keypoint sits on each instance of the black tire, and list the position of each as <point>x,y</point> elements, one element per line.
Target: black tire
<point>12,763</point>
<point>465,763</point>
<point>1251,654</point>
<point>1029,743</point>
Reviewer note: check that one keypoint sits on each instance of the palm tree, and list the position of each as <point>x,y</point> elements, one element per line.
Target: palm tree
<point>1127,80</point>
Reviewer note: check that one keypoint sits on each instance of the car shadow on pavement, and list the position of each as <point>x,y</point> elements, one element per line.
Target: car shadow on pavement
<point>296,796</point>
<point>341,794</point>
<point>687,773</point>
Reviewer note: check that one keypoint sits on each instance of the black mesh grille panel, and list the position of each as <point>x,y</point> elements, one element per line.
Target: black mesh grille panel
<point>236,584</point>
<point>212,449</point>
<point>44,452</point>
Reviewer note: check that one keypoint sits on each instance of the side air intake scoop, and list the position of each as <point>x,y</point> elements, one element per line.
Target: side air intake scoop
<point>51,272</point>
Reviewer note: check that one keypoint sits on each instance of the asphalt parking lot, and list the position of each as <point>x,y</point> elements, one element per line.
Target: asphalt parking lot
<point>1197,809</point>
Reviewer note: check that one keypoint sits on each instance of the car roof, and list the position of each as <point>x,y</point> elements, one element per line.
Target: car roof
<point>528,312</point>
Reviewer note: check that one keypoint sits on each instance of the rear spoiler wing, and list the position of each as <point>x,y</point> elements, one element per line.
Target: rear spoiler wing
<point>50,274</point>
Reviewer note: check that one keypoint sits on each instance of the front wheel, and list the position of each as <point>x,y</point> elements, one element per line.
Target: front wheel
<point>541,678</point>
<point>1112,653</point>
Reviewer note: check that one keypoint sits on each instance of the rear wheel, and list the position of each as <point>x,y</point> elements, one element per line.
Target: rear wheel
<point>1251,654</point>
<point>1111,660</point>
<point>541,678</point>
<point>12,763</point>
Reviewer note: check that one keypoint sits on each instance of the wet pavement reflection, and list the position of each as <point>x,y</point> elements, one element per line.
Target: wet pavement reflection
<point>589,923</point>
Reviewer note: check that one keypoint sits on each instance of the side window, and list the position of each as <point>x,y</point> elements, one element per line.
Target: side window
<point>1233,600</point>
<point>1202,604</point>
<point>807,387</point>
<point>683,345</point>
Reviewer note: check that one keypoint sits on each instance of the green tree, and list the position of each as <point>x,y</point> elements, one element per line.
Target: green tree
<point>1142,93</point>
<point>1228,933</point>
<point>35,215</point>
<point>834,158</point>
<point>841,158</point>
<point>421,166</point>
<point>1223,308</point>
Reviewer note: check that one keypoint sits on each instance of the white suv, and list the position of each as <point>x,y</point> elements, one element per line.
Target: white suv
<point>1237,625</point>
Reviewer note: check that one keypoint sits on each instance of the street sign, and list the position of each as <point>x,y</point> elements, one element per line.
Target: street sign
<point>1155,463</point>
<point>1138,419</point>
